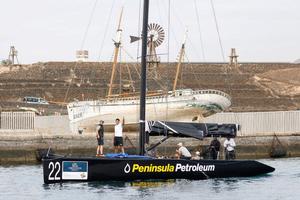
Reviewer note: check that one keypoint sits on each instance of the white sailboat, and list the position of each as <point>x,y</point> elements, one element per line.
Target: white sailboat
<point>182,105</point>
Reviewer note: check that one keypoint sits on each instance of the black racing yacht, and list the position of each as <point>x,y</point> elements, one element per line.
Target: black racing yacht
<point>123,167</point>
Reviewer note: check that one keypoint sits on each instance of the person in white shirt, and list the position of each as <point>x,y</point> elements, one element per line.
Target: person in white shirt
<point>182,152</point>
<point>118,139</point>
<point>229,145</point>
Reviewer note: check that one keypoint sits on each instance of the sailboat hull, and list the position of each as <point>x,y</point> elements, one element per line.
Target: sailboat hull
<point>59,170</point>
<point>188,106</point>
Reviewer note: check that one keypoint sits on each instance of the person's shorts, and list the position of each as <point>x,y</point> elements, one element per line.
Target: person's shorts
<point>118,141</point>
<point>100,141</point>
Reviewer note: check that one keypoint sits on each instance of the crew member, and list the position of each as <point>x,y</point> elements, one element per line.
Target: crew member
<point>229,145</point>
<point>118,139</point>
<point>100,138</point>
<point>214,148</point>
<point>182,152</point>
<point>197,156</point>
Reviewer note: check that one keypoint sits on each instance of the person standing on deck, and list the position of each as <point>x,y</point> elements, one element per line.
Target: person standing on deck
<point>100,138</point>
<point>214,148</point>
<point>229,145</point>
<point>118,139</point>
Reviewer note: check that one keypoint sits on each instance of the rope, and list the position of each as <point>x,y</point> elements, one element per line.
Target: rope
<point>191,44</point>
<point>217,28</point>
<point>106,29</point>
<point>169,22</point>
<point>139,32</point>
<point>221,46</point>
<point>81,47</point>
<point>135,64</point>
<point>89,24</point>
<point>199,28</point>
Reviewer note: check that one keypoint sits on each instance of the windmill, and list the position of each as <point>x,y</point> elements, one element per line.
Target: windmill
<point>13,56</point>
<point>156,36</point>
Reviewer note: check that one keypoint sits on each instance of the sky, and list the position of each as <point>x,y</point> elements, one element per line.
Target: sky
<point>52,30</point>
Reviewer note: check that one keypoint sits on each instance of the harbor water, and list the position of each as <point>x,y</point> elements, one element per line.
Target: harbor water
<point>26,182</point>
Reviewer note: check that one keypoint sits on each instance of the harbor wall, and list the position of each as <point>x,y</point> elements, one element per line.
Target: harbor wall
<point>255,138</point>
<point>251,123</point>
<point>24,148</point>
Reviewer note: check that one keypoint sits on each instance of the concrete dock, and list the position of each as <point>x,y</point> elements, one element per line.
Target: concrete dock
<point>23,148</point>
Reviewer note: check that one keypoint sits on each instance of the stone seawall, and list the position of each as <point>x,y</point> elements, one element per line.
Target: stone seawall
<point>22,148</point>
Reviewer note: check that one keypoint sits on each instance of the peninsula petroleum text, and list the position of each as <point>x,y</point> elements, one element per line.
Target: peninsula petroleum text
<point>172,168</point>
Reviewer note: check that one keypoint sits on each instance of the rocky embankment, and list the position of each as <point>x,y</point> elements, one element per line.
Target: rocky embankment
<point>253,86</point>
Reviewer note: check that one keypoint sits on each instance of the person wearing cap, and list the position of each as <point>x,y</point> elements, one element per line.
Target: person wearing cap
<point>100,138</point>
<point>182,152</point>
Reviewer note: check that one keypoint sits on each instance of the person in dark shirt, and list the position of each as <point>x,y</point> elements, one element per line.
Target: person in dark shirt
<point>214,148</point>
<point>100,138</point>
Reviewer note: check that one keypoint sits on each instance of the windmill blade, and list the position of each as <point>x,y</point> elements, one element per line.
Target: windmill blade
<point>157,33</point>
<point>134,38</point>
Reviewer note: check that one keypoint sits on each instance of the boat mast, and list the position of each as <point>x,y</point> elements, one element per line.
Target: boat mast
<point>143,78</point>
<point>181,55</point>
<point>117,44</point>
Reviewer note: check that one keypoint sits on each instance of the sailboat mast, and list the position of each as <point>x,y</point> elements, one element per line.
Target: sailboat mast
<point>116,53</point>
<point>179,62</point>
<point>143,78</point>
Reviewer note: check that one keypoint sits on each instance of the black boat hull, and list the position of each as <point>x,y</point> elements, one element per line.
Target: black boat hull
<point>128,169</point>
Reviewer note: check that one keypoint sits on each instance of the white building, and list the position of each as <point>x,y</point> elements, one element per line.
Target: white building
<point>82,55</point>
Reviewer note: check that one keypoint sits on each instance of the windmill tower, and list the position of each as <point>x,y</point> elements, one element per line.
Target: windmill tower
<point>13,56</point>
<point>156,36</point>
<point>233,58</point>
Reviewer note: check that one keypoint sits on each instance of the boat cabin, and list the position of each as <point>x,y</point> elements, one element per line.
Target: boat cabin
<point>183,92</point>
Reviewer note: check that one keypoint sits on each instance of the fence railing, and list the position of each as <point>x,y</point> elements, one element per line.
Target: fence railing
<point>17,120</point>
<point>259,123</point>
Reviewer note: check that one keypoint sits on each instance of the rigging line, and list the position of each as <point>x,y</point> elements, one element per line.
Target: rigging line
<point>89,24</point>
<point>127,53</point>
<point>130,56</point>
<point>139,32</point>
<point>218,30</point>
<point>120,72</point>
<point>221,46</point>
<point>160,17</point>
<point>106,30</point>
<point>81,47</point>
<point>195,76</point>
<point>191,44</point>
<point>170,28</point>
<point>169,23</point>
<point>199,28</point>
<point>130,77</point>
